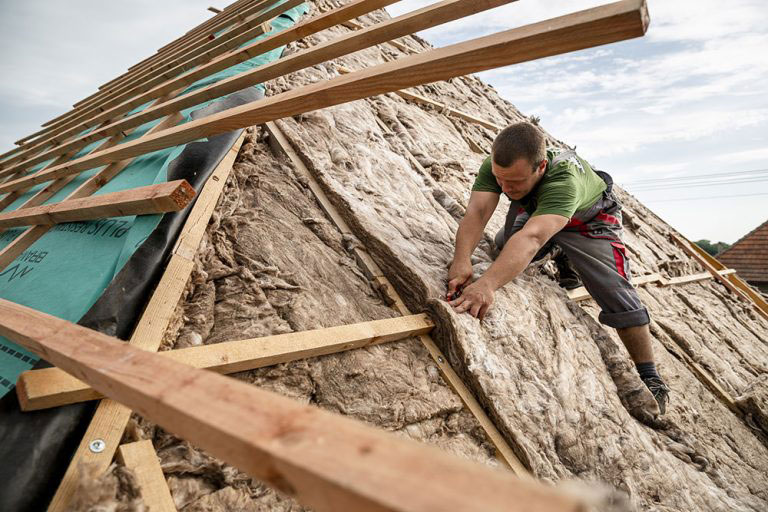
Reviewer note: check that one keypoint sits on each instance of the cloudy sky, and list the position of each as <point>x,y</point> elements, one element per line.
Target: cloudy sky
<point>687,100</point>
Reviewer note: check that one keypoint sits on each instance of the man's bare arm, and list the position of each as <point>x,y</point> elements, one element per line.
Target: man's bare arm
<point>518,252</point>
<point>479,211</point>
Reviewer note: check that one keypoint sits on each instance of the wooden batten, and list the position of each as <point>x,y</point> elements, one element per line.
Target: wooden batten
<point>326,461</point>
<point>141,459</point>
<point>110,418</point>
<point>165,197</point>
<point>419,20</point>
<point>51,387</point>
<point>584,29</point>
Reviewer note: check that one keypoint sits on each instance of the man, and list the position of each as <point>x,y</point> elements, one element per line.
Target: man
<point>556,197</point>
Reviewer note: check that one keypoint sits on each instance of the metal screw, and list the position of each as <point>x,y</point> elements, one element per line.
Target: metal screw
<point>440,359</point>
<point>97,445</point>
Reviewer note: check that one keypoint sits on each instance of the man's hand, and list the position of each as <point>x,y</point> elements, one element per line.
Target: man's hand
<point>459,276</point>
<point>475,299</point>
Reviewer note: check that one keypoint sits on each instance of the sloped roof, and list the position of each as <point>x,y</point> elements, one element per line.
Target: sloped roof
<point>749,255</point>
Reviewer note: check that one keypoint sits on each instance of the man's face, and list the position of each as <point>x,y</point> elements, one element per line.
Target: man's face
<point>518,179</point>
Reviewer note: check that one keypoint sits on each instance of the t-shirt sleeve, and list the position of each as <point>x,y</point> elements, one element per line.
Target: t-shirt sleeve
<point>558,196</point>
<point>485,181</point>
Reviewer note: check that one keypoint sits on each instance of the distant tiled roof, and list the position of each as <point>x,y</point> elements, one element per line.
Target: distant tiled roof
<point>749,256</point>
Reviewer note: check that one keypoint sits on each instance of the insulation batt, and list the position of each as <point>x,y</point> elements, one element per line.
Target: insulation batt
<point>558,385</point>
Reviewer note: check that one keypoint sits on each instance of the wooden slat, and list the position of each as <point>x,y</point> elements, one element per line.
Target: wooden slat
<point>692,278</point>
<point>581,293</point>
<point>88,115</point>
<point>51,387</point>
<point>372,270</point>
<point>731,281</point>
<point>418,20</point>
<point>324,460</point>
<point>164,197</point>
<point>110,418</point>
<point>177,77</point>
<point>22,242</point>
<point>141,459</point>
<point>199,36</point>
<point>584,29</point>
<point>610,23</point>
<point>418,98</point>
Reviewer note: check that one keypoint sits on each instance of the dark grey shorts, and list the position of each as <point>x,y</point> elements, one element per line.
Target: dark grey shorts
<point>592,242</point>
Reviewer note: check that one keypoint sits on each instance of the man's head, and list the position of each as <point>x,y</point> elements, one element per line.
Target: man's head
<point>519,159</point>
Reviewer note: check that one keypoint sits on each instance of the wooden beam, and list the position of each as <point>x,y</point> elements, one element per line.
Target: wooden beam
<point>375,274</point>
<point>182,76</point>
<point>692,278</point>
<point>418,20</point>
<point>584,29</point>
<point>141,459</point>
<point>214,10</point>
<point>581,293</point>
<point>110,418</point>
<point>22,242</point>
<point>732,282</point>
<point>164,197</point>
<point>444,109</point>
<point>51,387</point>
<point>324,460</point>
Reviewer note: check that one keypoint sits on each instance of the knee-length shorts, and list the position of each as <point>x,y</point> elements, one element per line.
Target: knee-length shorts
<point>592,241</point>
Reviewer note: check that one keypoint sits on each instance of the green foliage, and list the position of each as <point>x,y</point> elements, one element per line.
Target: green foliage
<point>712,248</point>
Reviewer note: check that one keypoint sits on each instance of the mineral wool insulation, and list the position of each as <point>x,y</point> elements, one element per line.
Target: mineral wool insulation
<point>556,383</point>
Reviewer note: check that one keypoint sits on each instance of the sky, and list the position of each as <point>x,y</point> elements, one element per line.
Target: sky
<point>687,99</point>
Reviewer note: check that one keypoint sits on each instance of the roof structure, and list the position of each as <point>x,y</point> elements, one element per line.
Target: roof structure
<point>749,255</point>
<point>310,271</point>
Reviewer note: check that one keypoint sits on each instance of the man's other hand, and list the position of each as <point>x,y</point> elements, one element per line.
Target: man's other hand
<point>475,299</point>
<point>459,276</point>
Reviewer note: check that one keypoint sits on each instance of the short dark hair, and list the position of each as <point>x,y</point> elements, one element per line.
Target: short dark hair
<point>519,140</point>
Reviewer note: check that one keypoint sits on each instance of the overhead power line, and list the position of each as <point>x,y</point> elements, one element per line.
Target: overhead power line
<point>695,177</point>
<point>699,198</point>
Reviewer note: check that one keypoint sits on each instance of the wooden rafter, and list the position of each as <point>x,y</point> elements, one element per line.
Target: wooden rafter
<point>592,27</point>
<point>324,460</point>
<point>140,457</point>
<point>374,272</point>
<point>110,418</point>
<point>421,19</point>
<point>52,387</point>
<point>161,198</point>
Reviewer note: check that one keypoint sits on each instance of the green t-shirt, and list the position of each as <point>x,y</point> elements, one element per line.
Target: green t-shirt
<point>569,185</point>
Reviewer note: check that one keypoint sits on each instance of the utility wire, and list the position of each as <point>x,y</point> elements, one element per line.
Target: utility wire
<point>695,177</point>
<point>698,198</point>
<point>698,184</point>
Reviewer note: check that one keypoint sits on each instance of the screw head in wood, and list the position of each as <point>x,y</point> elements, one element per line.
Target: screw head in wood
<point>97,445</point>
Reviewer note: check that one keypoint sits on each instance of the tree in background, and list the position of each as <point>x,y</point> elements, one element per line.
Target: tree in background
<point>712,248</point>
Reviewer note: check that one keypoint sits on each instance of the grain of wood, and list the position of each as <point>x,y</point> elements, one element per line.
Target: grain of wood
<point>51,387</point>
<point>584,29</point>
<point>326,461</point>
<point>419,20</point>
<point>110,418</point>
<point>164,197</point>
<point>140,457</point>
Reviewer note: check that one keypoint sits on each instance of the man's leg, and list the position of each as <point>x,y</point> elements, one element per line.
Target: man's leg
<point>596,251</point>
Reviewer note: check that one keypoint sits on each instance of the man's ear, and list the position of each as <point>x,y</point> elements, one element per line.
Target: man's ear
<point>542,165</point>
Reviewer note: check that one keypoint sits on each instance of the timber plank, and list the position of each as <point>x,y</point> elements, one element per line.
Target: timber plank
<point>52,387</point>
<point>110,418</point>
<point>506,454</point>
<point>324,460</point>
<point>419,20</point>
<point>584,29</point>
<point>164,197</point>
<point>140,457</point>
